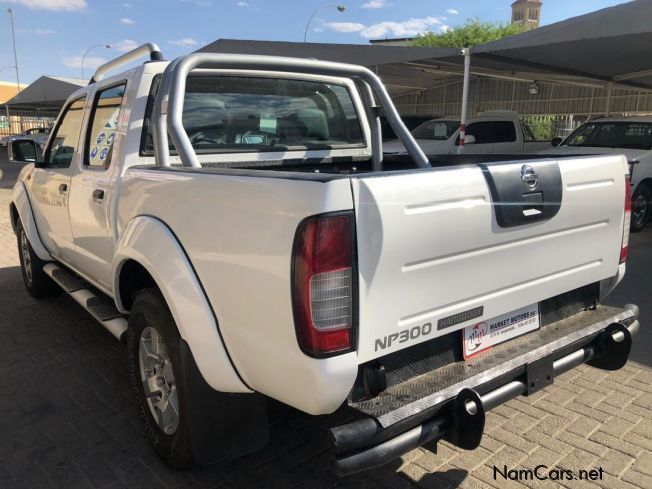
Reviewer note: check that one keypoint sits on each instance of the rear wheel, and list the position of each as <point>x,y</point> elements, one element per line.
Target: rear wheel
<point>37,282</point>
<point>155,372</point>
<point>641,201</point>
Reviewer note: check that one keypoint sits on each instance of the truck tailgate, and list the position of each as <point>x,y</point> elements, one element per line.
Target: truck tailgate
<point>443,249</point>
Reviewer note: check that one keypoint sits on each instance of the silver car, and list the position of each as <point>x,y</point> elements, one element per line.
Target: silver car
<point>38,134</point>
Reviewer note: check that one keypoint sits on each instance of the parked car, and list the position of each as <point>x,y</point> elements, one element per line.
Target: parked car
<point>233,220</point>
<point>410,121</point>
<point>37,134</point>
<point>501,132</point>
<point>630,136</point>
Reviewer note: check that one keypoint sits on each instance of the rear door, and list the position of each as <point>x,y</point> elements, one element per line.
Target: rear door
<point>50,186</point>
<point>442,249</point>
<point>92,184</point>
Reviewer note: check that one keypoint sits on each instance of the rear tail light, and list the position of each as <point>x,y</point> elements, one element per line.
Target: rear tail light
<point>323,284</point>
<point>627,220</point>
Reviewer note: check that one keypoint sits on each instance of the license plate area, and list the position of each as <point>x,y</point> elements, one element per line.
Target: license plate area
<point>481,337</point>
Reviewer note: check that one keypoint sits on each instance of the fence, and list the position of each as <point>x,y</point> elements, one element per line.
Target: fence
<point>16,121</point>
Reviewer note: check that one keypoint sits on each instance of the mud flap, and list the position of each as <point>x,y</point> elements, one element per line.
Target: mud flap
<point>223,426</point>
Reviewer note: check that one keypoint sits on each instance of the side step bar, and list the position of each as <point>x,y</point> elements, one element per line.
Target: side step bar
<point>462,420</point>
<point>99,306</point>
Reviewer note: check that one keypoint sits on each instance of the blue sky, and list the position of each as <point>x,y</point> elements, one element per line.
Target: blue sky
<point>52,35</point>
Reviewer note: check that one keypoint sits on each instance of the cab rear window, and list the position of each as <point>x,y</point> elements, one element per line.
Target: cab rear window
<point>251,114</point>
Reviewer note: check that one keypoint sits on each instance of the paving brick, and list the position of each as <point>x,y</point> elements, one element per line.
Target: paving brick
<point>637,478</point>
<point>611,442</point>
<point>582,443</point>
<point>615,462</point>
<point>643,463</point>
<point>541,438</point>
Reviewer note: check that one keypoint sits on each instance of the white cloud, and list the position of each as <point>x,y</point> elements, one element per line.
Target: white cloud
<point>243,4</point>
<point>374,4</point>
<point>89,61</point>
<point>56,5</point>
<point>125,45</point>
<point>186,42</point>
<point>452,11</point>
<point>127,5</point>
<point>445,28</point>
<point>127,21</point>
<point>406,28</point>
<point>345,26</point>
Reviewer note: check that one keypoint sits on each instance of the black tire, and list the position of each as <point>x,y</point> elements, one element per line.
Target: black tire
<point>37,282</point>
<point>641,201</point>
<point>150,311</point>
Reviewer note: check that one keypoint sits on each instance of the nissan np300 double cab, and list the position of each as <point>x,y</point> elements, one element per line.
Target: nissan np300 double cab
<point>233,219</point>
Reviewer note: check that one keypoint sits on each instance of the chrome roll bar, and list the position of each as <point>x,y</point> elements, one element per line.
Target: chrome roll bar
<point>150,49</point>
<point>168,109</point>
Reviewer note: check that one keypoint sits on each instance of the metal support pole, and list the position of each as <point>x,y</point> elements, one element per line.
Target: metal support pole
<point>10,11</point>
<point>607,110</point>
<point>465,98</point>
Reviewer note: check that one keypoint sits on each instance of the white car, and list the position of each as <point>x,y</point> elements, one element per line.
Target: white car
<point>629,136</point>
<point>37,134</point>
<point>233,220</point>
<point>499,132</point>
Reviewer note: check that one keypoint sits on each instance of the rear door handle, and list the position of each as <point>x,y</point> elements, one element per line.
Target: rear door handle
<point>63,188</point>
<point>98,195</point>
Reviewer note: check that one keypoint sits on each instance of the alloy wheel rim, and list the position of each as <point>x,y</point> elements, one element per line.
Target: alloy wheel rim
<point>639,209</point>
<point>27,259</point>
<point>158,382</point>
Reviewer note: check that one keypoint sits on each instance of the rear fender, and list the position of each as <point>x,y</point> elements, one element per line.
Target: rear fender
<point>21,202</point>
<point>149,241</point>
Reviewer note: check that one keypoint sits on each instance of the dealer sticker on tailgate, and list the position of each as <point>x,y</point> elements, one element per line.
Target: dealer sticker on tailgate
<point>482,336</point>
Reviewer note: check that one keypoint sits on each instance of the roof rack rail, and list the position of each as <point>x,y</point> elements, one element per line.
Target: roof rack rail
<point>149,48</point>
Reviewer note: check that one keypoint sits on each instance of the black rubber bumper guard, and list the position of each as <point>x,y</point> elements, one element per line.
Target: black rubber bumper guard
<point>365,444</point>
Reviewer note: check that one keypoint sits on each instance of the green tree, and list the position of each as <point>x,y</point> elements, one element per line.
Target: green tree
<point>472,33</point>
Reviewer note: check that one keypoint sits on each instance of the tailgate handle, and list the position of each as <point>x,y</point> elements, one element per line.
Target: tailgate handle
<point>532,204</point>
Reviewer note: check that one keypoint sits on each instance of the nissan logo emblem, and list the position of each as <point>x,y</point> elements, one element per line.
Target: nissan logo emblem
<point>529,177</point>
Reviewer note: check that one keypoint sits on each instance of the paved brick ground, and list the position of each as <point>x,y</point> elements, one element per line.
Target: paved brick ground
<point>67,420</point>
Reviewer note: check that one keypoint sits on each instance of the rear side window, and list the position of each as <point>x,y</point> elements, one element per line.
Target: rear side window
<point>66,137</point>
<point>491,132</point>
<point>103,126</point>
<point>253,114</point>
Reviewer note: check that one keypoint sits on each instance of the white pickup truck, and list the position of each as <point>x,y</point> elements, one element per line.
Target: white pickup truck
<point>234,221</point>
<point>494,131</point>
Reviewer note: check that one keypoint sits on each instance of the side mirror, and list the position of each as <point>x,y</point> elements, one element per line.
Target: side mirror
<point>24,151</point>
<point>556,141</point>
<point>469,139</point>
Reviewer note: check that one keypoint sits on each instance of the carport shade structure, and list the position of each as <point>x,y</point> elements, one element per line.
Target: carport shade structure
<point>47,92</point>
<point>606,47</point>
<point>392,63</point>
